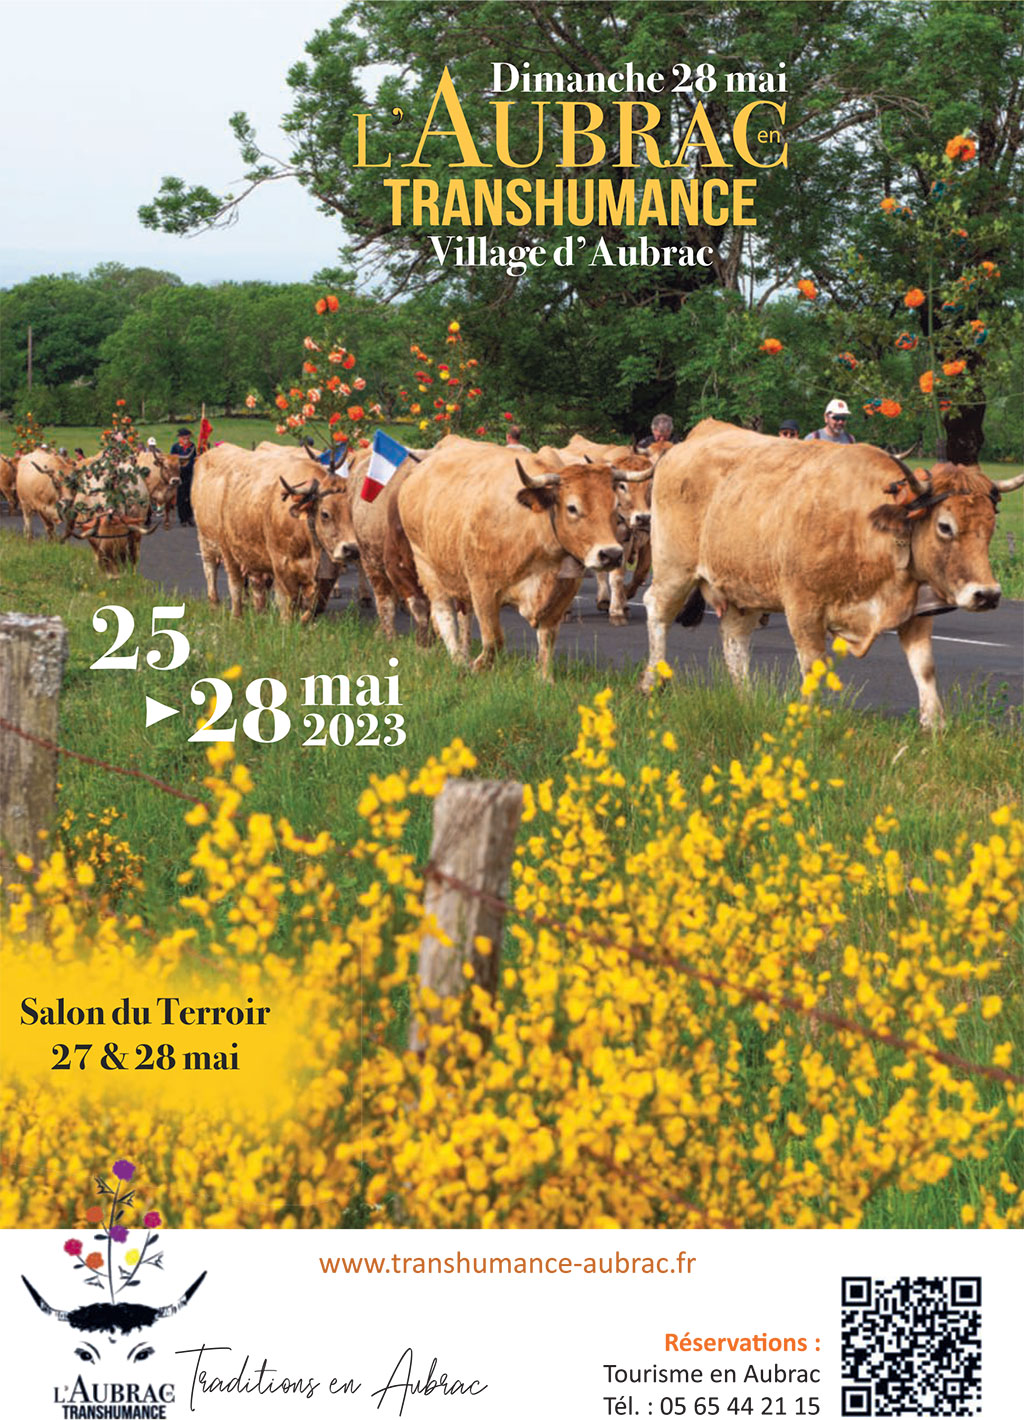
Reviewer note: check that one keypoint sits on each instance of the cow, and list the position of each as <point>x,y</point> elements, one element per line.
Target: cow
<point>839,538</point>
<point>41,483</point>
<point>370,520</point>
<point>8,477</point>
<point>270,516</point>
<point>112,1320</point>
<point>632,471</point>
<point>490,528</point>
<point>330,570</point>
<point>109,509</point>
<point>162,475</point>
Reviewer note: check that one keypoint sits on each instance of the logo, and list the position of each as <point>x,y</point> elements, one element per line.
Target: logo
<point>115,1332</point>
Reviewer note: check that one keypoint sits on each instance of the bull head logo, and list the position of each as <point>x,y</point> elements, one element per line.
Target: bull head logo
<point>113,1320</point>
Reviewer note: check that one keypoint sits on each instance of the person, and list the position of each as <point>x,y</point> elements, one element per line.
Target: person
<point>837,414</point>
<point>513,437</point>
<point>789,429</point>
<point>79,455</point>
<point>661,432</point>
<point>186,451</point>
<point>205,430</point>
<point>151,445</point>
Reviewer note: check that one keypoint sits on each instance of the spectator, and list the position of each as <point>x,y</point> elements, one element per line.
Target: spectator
<point>186,451</point>
<point>661,432</point>
<point>513,437</point>
<point>789,429</point>
<point>837,413</point>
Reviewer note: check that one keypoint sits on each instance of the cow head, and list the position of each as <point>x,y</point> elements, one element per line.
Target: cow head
<point>633,480</point>
<point>323,502</point>
<point>113,1322</point>
<point>167,471</point>
<point>943,524</point>
<point>581,504</point>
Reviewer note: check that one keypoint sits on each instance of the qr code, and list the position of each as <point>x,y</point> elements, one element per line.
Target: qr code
<point>911,1347</point>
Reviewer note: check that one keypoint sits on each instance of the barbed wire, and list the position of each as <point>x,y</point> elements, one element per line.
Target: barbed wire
<point>499,905</point>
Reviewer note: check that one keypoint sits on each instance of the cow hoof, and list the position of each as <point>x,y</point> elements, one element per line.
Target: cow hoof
<point>619,618</point>
<point>603,606</point>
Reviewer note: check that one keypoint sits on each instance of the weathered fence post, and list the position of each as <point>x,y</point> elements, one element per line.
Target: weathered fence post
<point>33,652</point>
<point>475,826</point>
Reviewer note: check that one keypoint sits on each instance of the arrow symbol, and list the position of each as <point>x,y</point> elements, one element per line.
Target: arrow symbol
<point>155,711</point>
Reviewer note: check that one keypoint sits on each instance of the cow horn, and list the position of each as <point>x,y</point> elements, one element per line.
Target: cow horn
<point>1008,485</point>
<point>182,1301</point>
<point>302,491</point>
<point>308,451</point>
<point>415,457</point>
<point>548,480</point>
<point>636,475</point>
<point>920,489</point>
<point>43,1306</point>
<point>587,458</point>
<point>147,532</point>
<point>907,451</point>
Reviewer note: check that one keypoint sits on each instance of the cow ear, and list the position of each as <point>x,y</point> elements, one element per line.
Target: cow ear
<point>538,500</point>
<point>888,518</point>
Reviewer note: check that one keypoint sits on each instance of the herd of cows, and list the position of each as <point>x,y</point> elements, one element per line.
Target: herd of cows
<point>840,538</point>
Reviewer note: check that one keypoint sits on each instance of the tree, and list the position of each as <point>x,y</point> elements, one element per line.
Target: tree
<point>870,87</point>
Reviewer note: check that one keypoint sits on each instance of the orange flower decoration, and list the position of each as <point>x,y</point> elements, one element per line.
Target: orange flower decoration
<point>891,408</point>
<point>771,346</point>
<point>954,367</point>
<point>94,1260</point>
<point>320,307</point>
<point>914,298</point>
<point>961,147</point>
<point>808,289</point>
<point>990,268</point>
<point>355,411</point>
<point>94,1215</point>
<point>349,361</point>
<point>281,401</point>
<point>332,303</point>
<point>926,381</point>
<point>888,204</point>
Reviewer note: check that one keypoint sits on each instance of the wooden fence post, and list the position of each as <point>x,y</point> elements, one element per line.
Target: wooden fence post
<point>33,652</point>
<point>475,824</point>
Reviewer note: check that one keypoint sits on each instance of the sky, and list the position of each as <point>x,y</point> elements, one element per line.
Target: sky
<point>102,99</point>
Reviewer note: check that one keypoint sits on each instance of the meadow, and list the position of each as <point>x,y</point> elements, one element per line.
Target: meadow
<point>686,868</point>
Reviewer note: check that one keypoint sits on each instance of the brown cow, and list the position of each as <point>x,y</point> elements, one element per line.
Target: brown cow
<point>489,528</point>
<point>8,477</point>
<point>839,538</point>
<point>266,515</point>
<point>370,521</point>
<point>41,483</point>
<point>110,507</point>
<point>162,475</point>
<point>634,498</point>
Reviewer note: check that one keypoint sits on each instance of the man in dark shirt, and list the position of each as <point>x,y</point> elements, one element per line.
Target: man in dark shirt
<point>661,432</point>
<point>186,451</point>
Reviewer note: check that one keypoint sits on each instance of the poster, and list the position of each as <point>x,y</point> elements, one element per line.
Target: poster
<point>716,1109</point>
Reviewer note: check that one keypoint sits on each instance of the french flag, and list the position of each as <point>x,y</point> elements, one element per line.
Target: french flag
<point>387,455</point>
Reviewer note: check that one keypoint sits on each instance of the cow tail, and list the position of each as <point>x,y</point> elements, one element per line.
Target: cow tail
<point>693,611</point>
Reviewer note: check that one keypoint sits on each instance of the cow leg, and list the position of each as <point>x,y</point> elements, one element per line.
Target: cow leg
<point>643,566</point>
<point>618,612</point>
<point>664,600</point>
<point>383,595</point>
<point>916,639</point>
<point>465,624</point>
<point>442,614</point>
<point>604,595</point>
<point>26,518</point>
<point>737,627</point>
<point>366,595</point>
<point>210,557</point>
<point>808,632</point>
<point>236,584</point>
<point>487,608</point>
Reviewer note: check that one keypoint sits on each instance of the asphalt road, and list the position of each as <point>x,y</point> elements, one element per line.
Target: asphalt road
<point>973,652</point>
<point>976,653</point>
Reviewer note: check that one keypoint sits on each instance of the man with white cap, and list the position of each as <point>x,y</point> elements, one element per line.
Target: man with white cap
<point>837,412</point>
